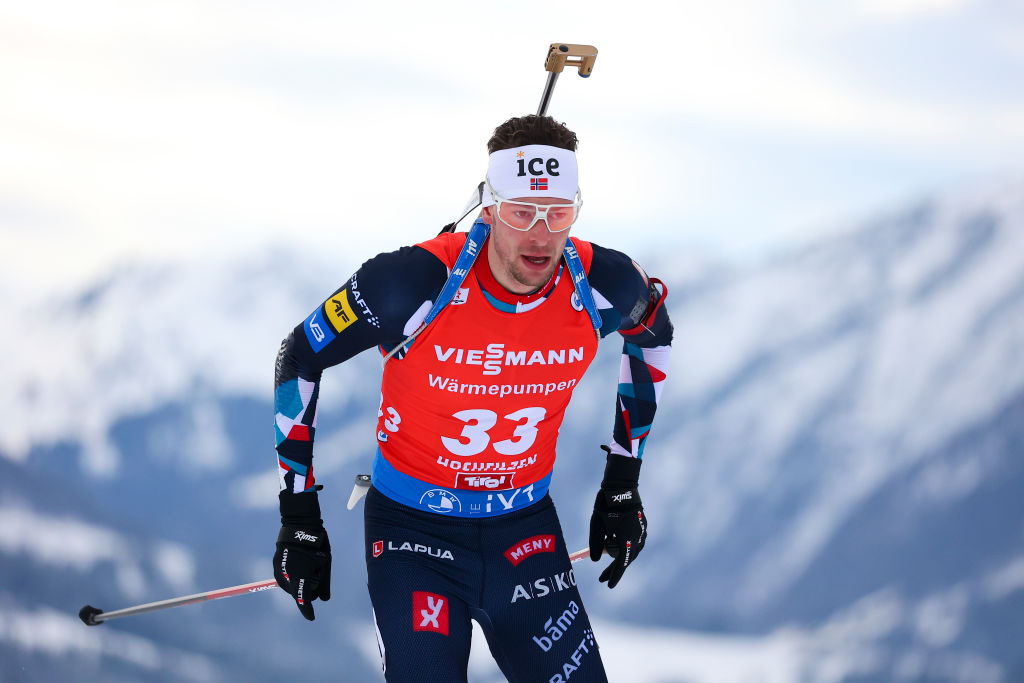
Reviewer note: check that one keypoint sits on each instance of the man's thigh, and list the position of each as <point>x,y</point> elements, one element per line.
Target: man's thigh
<point>418,586</point>
<point>534,619</point>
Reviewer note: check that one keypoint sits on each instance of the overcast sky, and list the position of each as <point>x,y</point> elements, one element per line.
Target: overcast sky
<point>135,128</point>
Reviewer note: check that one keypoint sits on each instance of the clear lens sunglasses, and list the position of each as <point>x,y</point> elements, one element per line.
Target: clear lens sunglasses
<point>522,216</point>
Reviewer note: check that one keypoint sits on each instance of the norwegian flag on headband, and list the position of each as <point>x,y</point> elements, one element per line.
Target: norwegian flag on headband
<point>538,183</point>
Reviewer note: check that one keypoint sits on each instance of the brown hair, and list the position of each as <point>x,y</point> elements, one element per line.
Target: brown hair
<point>532,130</point>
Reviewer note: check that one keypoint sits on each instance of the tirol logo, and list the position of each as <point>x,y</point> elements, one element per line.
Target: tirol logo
<point>440,500</point>
<point>378,548</point>
<point>554,629</point>
<point>536,166</point>
<point>484,482</point>
<point>535,544</point>
<point>495,356</point>
<point>429,612</point>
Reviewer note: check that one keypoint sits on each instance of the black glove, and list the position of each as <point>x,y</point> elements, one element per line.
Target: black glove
<point>618,522</point>
<point>302,563</point>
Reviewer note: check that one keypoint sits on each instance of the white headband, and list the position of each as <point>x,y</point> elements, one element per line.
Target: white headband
<point>532,171</point>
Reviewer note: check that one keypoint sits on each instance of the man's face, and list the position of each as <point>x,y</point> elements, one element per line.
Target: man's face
<point>522,262</point>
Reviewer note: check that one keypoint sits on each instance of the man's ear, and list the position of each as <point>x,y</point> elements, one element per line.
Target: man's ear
<point>487,214</point>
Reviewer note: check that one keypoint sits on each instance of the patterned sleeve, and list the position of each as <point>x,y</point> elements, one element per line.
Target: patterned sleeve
<point>633,304</point>
<point>371,309</point>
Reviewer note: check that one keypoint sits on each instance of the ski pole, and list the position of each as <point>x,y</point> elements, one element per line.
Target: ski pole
<point>92,616</point>
<point>560,55</point>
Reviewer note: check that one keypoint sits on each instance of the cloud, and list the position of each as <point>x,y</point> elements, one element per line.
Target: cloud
<point>137,129</point>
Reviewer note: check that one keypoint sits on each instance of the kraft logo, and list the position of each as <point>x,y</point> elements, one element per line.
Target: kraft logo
<point>378,548</point>
<point>575,661</point>
<point>531,546</point>
<point>429,612</point>
<point>537,166</point>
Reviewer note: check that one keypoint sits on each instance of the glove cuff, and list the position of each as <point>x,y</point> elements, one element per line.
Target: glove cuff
<point>300,510</point>
<point>620,471</point>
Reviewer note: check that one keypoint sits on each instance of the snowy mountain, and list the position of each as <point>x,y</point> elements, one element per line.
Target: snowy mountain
<point>833,480</point>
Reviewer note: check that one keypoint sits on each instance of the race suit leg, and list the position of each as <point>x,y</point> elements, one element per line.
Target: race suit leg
<point>533,617</point>
<point>429,573</point>
<point>420,584</point>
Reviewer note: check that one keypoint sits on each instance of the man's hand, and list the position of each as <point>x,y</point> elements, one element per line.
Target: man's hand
<point>618,522</point>
<point>302,563</point>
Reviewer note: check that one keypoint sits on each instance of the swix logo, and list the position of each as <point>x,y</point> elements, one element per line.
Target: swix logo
<point>429,612</point>
<point>303,536</point>
<point>546,585</point>
<point>620,497</point>
<point>484,482</point>
<point>495,356</point>
<point>406,546</point>
<point>535,544</point>
<point>257,589</point>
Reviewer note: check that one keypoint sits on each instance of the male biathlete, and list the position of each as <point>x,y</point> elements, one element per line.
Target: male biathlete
<point>484,335</point>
